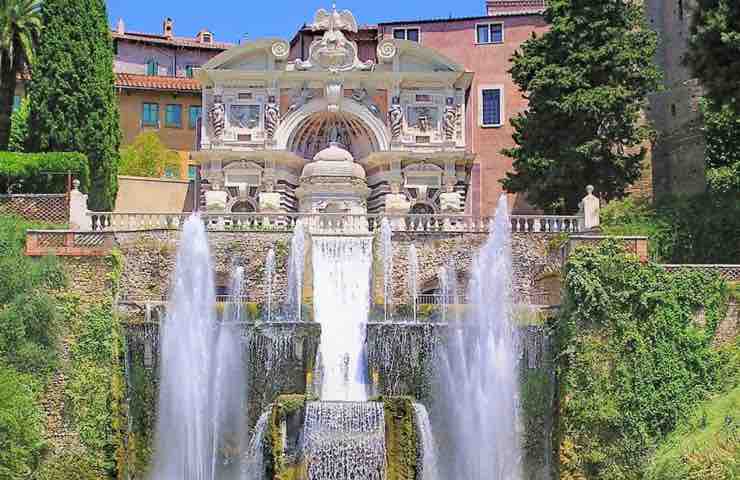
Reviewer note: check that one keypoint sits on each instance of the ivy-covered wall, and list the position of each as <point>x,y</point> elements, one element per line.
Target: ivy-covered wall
<point>634,357</point>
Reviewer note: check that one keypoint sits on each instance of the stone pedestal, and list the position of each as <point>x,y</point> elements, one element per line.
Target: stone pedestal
<point>269,202</point>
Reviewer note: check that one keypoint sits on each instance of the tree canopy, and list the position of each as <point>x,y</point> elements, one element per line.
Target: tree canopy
<point>148,157</point>
<point>20,26</point>
<point>72,95</point>
<point>587,80</point>
<point>714,49</point>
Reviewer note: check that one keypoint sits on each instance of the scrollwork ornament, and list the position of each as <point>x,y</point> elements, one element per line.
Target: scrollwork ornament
<point>281,50</point>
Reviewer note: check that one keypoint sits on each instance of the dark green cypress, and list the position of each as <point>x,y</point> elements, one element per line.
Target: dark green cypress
<point>72,92</point>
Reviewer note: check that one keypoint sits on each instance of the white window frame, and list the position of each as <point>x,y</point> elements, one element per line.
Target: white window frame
<point>502,104</point>
<point>490,42</point>
<point>406,35</point>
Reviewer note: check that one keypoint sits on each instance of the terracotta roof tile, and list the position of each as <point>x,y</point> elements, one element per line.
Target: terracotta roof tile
<point>173,41</point>
<point>146,82</point>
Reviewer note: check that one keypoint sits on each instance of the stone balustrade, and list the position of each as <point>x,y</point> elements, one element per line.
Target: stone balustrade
<point>331,223</point>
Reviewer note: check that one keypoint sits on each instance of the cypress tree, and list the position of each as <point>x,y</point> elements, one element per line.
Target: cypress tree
<point>72,92</point>
<point>587,80</point>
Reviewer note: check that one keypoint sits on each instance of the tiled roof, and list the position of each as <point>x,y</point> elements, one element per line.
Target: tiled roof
<point>186,42</point>
<point>146,82</point>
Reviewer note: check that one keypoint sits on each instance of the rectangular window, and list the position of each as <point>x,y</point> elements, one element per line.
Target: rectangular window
<point>491,107</point>
<point>194,114</point>
<point>171,172</point>
<point>152,68</point>
<point>150,115</point>
<point>173,116</point>
<point>192,172</point>
<point>16,102</point>
<point>189,71</point>
<point>411,34</point>
<point>490,33</point>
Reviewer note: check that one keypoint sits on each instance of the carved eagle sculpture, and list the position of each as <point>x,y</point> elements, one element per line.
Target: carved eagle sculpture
<point>334,20</point>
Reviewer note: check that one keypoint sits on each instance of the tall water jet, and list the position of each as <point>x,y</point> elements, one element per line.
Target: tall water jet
<point>296,263</point>
<point>480,375</point>
<point>442,277</point>
<point>269,278</point>
<point>341,267</point>
<point>413,278</point>
<point>229,409</point>
<point>184,430</point>
<point>427,447</point>
<point>386,245</point>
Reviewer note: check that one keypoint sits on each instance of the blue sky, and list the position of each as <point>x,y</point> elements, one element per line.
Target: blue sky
<point>231,19</point>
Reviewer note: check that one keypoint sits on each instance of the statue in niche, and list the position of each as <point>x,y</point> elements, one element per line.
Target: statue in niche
<point>363,96</point>
<point>395,118</point>
<point>451,119</point>
<point>217,117</point>
<point>272,118</point>
<point>299,97</point>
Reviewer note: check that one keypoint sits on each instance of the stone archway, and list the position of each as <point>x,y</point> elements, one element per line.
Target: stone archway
<point>316,113</point>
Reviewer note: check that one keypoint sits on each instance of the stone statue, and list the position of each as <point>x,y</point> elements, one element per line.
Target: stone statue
<point>395,120</point>
<point>590,206</point>
<point>217,117</point>
<point>272,118</point>
<point>451,115</point>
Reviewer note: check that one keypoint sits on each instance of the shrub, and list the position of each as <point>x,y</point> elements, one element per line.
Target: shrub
<point>28,167</point>
<point>69,466</point>
<point>20,426</point>
<point>633,358</point>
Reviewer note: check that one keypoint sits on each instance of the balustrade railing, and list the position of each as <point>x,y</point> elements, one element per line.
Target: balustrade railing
<point>330,223</point>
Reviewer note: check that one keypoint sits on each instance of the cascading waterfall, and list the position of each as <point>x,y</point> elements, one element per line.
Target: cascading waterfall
<point>185,424</point>
<point>296,263</point>
<point>413,277</point>
<point>199,434</point>
<point>386,245</point>
<point>341,267</point>
<point>269,278</point>
<point>443,292</point>
<point>344,441</point>
<point>480,380</point>
<point>427,448</point>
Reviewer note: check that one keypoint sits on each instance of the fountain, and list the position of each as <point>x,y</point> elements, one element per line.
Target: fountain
<point>195,399</point>
<point>341,303</point>
<point>413,278</point>
<point>269,279</point>
<point>386,246</point>
<point>296,263</point>
<point>480,370</point>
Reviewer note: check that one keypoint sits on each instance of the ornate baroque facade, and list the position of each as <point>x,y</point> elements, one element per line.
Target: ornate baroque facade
<point>333,131</point>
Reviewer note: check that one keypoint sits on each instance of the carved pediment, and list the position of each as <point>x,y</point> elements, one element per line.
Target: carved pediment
<point>333,51</point>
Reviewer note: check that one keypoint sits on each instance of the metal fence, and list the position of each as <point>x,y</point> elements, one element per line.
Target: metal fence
<point>52,208</point>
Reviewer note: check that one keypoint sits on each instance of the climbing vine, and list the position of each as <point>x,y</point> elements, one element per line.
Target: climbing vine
<point>278,466</point>
<point>635,356</point>
<point>400,436</point>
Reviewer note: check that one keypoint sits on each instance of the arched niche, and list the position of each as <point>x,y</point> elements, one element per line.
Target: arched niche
<point>370,130</point>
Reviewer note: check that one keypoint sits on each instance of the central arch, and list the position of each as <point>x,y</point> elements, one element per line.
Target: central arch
<point>312,126</point>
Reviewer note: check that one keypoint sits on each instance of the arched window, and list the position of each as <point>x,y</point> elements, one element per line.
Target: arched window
<point>422,209</point>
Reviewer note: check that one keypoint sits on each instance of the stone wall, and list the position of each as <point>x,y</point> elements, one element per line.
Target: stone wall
<point>150,259</point>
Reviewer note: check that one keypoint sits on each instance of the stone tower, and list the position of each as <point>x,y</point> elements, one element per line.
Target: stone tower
<point>678,155</point>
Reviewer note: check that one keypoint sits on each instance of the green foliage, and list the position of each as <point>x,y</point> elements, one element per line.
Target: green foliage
<point>706,446</point>
<point>19,127</point>
<point>28,168</point>
<point>148,157</point>
<point>536,394</point>
<point>72,92</point>
<point>722,132</point>
<point>68,466</point>
<point>279,468</point>
<point>21,426</point>
<point>699,229</point>
<point>714,48</point>
<point>633,359</point>
<point>587,80</point>
<point>401,442</point>
<point>20,26</point>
